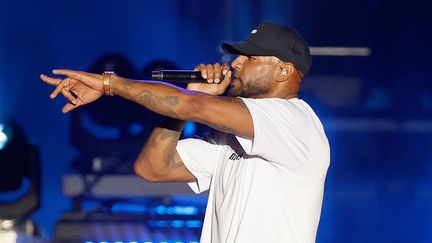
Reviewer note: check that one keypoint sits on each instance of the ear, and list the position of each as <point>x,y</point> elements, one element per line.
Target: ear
<point>283,71</point>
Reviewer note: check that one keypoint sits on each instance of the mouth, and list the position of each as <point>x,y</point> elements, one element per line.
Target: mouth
<point>235,79</point>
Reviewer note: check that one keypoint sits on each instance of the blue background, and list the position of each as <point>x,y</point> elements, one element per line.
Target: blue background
<point>376,109</point>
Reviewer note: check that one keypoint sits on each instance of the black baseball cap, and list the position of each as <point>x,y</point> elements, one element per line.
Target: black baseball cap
<point>271,39</point>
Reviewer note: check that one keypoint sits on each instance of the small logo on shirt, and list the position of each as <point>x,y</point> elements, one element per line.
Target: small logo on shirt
<point>253,31</point>
<point>235,156</point>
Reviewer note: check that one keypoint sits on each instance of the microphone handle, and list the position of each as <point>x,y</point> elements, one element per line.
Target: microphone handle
<point>178,76</point>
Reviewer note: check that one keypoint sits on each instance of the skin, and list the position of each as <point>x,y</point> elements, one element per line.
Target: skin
<point>254,77</point>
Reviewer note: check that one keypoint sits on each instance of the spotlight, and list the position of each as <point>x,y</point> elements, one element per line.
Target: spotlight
<point>3,136</point>
<point>19,174</point>
<point>189,129</point>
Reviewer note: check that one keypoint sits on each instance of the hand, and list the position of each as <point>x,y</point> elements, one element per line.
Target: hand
<point>213,74</point>
<point>79,88</point>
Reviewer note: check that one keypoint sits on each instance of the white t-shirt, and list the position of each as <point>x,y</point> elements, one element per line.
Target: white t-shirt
<point>268,189</point>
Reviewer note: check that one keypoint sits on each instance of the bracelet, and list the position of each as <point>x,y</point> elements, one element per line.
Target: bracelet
<point>106,81</point>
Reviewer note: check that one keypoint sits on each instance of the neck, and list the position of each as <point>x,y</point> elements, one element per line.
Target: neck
<point>276,94</point>
<point>283,90</point>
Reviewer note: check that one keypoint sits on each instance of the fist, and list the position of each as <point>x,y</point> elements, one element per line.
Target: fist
<point>218,79</point>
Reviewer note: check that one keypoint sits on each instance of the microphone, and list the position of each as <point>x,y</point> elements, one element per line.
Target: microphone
<point>178,76</point>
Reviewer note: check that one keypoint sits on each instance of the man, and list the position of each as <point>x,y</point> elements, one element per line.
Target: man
<point>266,162</point>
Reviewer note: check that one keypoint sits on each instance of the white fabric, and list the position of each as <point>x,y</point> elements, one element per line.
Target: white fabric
<point>268,189</point>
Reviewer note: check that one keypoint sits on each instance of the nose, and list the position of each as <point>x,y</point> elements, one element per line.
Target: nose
<point>237,64</point>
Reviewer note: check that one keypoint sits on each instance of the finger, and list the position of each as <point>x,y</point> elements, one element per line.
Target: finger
<point>50,80</point>
<point>68,107</point>
<point>67,94</point>
<point>225,69</point>
<point>226,81</point>
<point>81,76</point>
<point>217,72</point>
<point>210,73</point>
<point>58,89</point>
<point>203,69</point>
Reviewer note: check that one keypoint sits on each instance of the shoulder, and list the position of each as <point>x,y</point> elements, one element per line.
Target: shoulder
<point>289,108</point>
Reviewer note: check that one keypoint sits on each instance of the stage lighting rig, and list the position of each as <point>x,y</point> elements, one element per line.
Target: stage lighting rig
<point>19,174</point>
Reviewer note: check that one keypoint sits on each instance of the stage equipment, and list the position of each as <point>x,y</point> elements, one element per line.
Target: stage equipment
<point>19,175</point>
<point>19,185</point>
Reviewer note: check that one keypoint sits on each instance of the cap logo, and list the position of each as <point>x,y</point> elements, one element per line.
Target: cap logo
<point>253,31</point>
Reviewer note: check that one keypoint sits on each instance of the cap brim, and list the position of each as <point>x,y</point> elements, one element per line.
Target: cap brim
<point>244,48</point>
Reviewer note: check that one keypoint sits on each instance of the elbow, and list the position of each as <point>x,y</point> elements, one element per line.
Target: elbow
<point>145,172</point>
<point>140,171</point>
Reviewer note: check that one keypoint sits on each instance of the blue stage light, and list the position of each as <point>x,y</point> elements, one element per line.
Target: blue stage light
<point>176,210</point>
<point>185,210</point>
<point>136,129</point>
<point>193,223</point>
<point>160,209</point>
<point>177,223</point>
<point>158,223</point>
<point>128,208</point>
<point>3,137</point>
<point>189,129</point>
<point>19,173</point>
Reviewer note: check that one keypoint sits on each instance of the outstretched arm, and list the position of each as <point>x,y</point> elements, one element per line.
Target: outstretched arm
<point>227,114</point>
<point>159,160</point>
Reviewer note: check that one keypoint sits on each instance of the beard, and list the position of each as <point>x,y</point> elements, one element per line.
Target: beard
<point>249,89</point>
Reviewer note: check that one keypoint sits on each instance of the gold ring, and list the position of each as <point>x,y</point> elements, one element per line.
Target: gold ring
<point>59,81</point>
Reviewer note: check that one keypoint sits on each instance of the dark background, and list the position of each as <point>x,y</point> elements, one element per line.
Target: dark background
<point>376,109</point>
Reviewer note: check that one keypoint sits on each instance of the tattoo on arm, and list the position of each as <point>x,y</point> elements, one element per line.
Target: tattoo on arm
<point>163,141</point>
<point>165,105</point>
<point>151,101</point>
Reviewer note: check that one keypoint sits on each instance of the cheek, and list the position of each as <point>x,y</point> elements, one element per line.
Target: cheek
<point>261,73</point>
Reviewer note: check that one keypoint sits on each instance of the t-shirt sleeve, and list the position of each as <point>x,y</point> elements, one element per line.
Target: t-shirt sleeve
<point>199,157</point>
<point>281,132</point>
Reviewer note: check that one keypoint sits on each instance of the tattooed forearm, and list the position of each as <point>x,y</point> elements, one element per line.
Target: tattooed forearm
<point>151,95</point>
<point>151,100</point>
<point>128,86</point>
<point>160,149</point>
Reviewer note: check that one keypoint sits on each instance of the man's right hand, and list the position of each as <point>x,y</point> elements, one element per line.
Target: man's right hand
<point>213,73</point>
